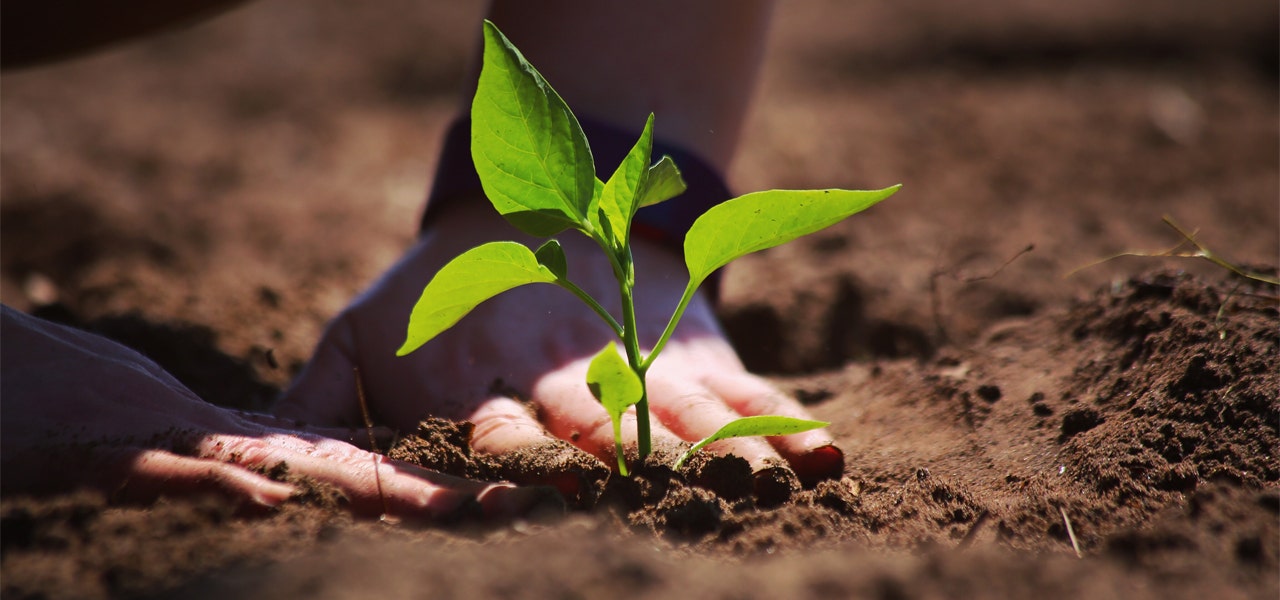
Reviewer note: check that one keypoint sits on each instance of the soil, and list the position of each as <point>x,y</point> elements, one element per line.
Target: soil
<point>213,195</point>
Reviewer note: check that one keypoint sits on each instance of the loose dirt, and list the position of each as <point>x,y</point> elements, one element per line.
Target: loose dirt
<point>213,195</point>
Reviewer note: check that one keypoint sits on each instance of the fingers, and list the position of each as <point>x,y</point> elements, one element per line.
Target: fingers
<point>694,412</point>
<point>527,454</point>
<point>570,412</point>
<point>325,391</point>
<point>691,396</point>
<point>698,385</point>
<point>751,395</point>
<point>373,484</point>
<point>135,474</point>
<point>152,473</point>
<point>812,454</point>
<point>504,425</point>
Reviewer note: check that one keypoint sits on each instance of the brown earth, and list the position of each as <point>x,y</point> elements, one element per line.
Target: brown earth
<point>213,195</point>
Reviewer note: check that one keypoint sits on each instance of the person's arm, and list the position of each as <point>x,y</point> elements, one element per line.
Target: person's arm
<point>694,64</point>
<point>615,64</point>
<point>37,31</point>
<point>81,411</point>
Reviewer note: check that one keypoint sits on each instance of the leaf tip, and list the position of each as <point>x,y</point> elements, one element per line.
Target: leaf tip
<point>407,348</point>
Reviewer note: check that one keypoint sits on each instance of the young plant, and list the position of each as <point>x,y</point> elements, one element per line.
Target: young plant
<point>537,170</point>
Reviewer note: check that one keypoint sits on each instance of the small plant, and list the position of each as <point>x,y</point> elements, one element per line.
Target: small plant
<point>537,170</point>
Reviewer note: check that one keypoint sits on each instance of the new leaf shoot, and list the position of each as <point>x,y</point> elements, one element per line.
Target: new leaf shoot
<point>766,425</point>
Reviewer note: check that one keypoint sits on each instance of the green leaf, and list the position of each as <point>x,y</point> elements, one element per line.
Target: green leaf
<point>617,387</point>
<point>767,425</point>
<point>593,209</point>
<point>469,279</point>
<point>766,219</point>
<point>618,202</point>
<point>663,183</point>
<point>532,157</point>
<point>551,256</point>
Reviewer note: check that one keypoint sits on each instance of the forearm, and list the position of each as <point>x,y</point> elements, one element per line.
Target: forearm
<point>614,63</point>
<point>694,64</point>
<point>36,31</point>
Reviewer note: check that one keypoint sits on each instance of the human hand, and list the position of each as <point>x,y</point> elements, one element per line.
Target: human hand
<point>515,366</point>
<point>80,410</point>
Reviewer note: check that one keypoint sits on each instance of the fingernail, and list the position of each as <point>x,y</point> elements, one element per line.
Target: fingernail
<point>262,500</point>
<point>823,462</point>
<point>501,502</point>
<point>440,505</point>
<point>273,494</point>
<point>774,486</point>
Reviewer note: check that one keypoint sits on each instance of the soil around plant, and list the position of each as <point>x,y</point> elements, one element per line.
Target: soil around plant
<point>212,196</point>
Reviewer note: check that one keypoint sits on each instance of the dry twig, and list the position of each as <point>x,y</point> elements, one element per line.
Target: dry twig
<point>935,295</point>
<point>1071,533</point>
<point>373,444</point>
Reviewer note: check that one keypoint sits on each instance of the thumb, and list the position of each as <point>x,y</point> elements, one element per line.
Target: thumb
<point>325,392</point>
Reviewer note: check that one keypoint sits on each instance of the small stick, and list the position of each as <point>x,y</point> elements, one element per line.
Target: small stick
<point>968,538</point>
<point>373,443</point>
<point>935,300</point>
<point>1071,533</point>
<point>992,275</point>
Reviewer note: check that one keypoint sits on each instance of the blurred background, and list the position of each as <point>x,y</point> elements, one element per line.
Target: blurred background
<point>233,184</point>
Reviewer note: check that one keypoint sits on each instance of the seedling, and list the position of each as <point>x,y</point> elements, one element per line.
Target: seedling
<point>1201,251</point>
<point>537,170</point>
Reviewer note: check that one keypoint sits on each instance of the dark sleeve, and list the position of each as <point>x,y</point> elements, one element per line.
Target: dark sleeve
<point>35,31</point>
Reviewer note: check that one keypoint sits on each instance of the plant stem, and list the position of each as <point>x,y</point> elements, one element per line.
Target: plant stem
<point>631,340</point>
<point>689,290</point>
<point>617,448</point>
<point>1208,255</point>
